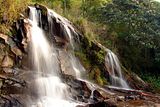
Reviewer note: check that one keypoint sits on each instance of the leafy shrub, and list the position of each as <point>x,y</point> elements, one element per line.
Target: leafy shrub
<point>9,12</point>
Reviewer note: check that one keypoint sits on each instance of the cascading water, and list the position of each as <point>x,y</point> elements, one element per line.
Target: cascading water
<point>46,62</point>
<point>112,61</point>
<point>51,91</point>
<point>113,66</point>
<point>68,31</point>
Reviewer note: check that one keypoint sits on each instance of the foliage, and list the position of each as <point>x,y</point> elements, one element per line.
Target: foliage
<point>96,75</point>
<point>83,59</point>
<point>101,56</point>
<point>137,26</point>
<point>152,79</point>
<point>10,10</point>
<point>61,6</point>
<point>88,7</point>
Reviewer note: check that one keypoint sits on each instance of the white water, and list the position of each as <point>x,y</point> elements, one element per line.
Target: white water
<point>112,62</point>
<point>51,91</point>
<point>75,64</point>
<point>113,66</point>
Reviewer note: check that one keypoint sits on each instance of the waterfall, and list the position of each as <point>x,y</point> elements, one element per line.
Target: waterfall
<point>113,66</point>
<point>68,31</point>
<point>51,91</point>
<point>49,60</point>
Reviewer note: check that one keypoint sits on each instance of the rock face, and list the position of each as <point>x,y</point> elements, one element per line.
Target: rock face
<point>7,62</point>
<point>4,37</point>
<point>16,51</point>
<point>65,63</point>
<point>11,101</point>
<point>11,53</point>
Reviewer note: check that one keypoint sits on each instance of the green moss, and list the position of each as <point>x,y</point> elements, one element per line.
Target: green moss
<point>99,81</point>
<point>87,42</point>
<point>101,56</point>
<point>83,59</point>
<point>95,75</point>
<point>93,57</point>
<point>93,69</point>
<point>43,10</point>
<point>5,29</point>
<point>9,12</point>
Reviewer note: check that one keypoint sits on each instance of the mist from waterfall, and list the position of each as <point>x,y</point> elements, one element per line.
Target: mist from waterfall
<point>113,66</point>
<point>51,91</point>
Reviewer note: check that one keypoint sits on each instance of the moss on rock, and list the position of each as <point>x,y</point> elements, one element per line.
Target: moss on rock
<point>93,58</point>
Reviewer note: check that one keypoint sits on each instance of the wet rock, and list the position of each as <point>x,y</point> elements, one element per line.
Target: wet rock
<point>85,91</point>
<point>99,104</point>
<point>97,96</point>
<point>11,42</point>
<point>111,102</point>
<point>42,12</point>
<point>27,37</point>
<point>7,61</point>
<point>79,89</point>
<point>120,98</point>
<point>9,101</point>
<point>65,63</point>
<point>4,37</point>
<point>133,97</point>
<point>16,51</point>
<point>22,33</point>
<point>8,40</point>
<point>8,70</point>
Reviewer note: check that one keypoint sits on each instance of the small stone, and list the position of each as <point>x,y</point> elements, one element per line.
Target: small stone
<point>120,98</point>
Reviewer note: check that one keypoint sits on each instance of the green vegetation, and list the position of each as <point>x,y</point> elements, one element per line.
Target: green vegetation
<point>93,61</point>
<point>152,79</point>
<point>136,24</point>
<point>9,12</point>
